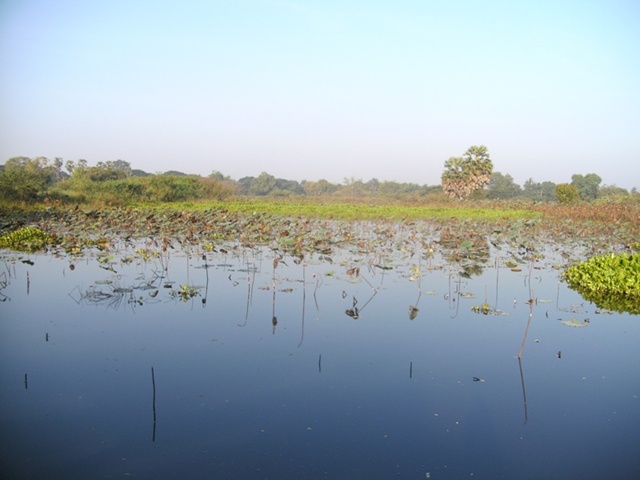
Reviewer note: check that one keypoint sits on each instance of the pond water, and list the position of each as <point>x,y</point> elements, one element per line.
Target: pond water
<point>243,363</point>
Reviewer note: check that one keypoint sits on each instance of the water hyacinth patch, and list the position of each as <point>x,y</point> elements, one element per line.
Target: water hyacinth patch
<point>610,281</point>
<point>28,239</point>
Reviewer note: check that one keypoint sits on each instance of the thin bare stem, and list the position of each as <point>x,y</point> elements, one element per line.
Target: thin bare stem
<point>531,302</point>
<point>524,391</point>
<point>153,404</point>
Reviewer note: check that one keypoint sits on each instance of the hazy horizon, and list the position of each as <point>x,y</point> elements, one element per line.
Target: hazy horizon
<point>325,89</point>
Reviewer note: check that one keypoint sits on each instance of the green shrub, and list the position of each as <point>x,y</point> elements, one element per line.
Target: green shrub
<point>22,185</point>
<point>150,189</point>
<point>567,193</point>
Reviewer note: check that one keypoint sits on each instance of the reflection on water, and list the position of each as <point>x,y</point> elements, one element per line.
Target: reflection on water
<point>265,365</point>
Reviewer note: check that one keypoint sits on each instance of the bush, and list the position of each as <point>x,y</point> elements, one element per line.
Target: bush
<point>22,185</point>
<point>567,193</point>
<point>154,189</point>
<point>169,188</point>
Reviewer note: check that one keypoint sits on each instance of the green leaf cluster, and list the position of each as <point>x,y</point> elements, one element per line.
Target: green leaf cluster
<point>610,281</point>
<point>185,292</point>
<point>28,239</point>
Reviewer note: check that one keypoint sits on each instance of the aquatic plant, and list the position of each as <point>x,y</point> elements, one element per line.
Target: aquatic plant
<point>28,239</point>
<point>610,281</point>
<point>185,292</point>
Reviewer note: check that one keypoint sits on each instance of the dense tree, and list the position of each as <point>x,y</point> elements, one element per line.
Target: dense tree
<point>216,175</point>
<point>49,170</point>
<point>17,163</point>
<point>391,189</point>
<point>267,184</point>
<point>263,185</point>
<point>243,185</point>
<point>353,187</point>
<point>545,191</point>
<point>23,185</point>
<point>287,187</point>
<point>587,185</point>
<point>464,175</point>
<point>27,179</point>
<point>612,191</point>
<point>101,172</point>
<point>372,186</point>
<point>121,166</point>
<point>321,187</point>
<point>502,186</point>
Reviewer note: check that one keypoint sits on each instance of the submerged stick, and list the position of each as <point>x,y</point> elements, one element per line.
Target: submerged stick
<point>526,330</point>
<point>497,281</point>
<point>274,319</point>
<point>153,404</point>
<point>524,392</point>
<point>304,301</point>
<point>206,285</point>
<point>315,290</point>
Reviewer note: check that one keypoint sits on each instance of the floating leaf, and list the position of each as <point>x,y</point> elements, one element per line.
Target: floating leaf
<point>574,322</point>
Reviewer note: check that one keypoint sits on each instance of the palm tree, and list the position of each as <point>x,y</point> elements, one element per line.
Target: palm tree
<point>464,175</point>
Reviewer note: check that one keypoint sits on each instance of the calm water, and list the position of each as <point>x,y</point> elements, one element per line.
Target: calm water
<point>110,369</point>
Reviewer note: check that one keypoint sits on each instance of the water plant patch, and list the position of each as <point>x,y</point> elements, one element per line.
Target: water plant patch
<point>28,239</point>
<point>610,281</point>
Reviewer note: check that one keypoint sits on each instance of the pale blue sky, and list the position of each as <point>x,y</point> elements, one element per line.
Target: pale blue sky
<point>325,89</point>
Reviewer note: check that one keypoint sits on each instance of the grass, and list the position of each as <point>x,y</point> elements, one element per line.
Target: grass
<point>373,209</point>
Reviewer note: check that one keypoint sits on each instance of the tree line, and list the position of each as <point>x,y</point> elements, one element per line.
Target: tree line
<point>469,176</point>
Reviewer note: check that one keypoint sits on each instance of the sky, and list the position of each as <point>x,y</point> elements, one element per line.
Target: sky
<point>335,90</point>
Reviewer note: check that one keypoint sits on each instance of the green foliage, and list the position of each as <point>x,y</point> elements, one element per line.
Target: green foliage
<point>27,179</point>
<point>610,193</point>
<point>50,171</point>
<point>149,189</point>
<point>266,184</point>
<point>22,185</point>
<point>28,239</point>
<point>544,191</point>
<point>587,186</point>
<point>169,188</point>
<point>358,211</point>
<point>567,193</point>
<point>502,186</point>
<point>101,172</point>
<point>609,281</point>
<point>185,292</point>
<point>319,188</point>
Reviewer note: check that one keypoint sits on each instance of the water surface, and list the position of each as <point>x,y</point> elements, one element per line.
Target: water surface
<point>357,365</point>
